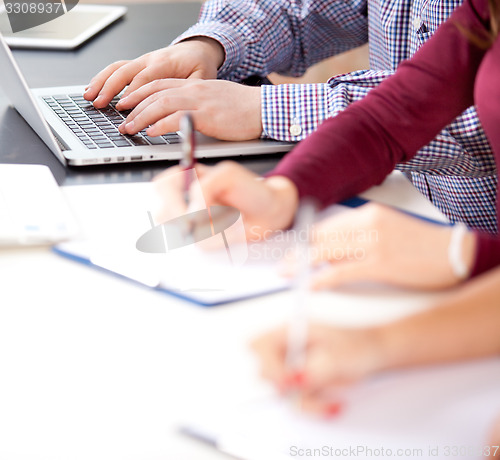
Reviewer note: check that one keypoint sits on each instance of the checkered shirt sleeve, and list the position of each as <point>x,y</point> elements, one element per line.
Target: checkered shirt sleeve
<point>285,36</point>
<point>456,171</point>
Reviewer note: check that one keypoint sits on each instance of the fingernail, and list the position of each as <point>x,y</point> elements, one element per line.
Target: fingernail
<point>333,409</point>
<point>299,379</point>
<point>123,100</point>
<point>122,126</point>
<point>130,125</point>
<point>294,380</point>
<point>98,100</point>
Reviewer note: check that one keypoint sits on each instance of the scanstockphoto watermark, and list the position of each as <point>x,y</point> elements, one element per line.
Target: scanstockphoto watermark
<point>360,451</point>
<point>322,244</point>
<point>364,451</point>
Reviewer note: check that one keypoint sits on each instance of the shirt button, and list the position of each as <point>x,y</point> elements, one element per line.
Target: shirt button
<point>416,22</point>
<point>295,130</point>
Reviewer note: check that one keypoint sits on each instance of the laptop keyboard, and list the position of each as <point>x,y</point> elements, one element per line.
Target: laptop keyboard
<point>98,128</point>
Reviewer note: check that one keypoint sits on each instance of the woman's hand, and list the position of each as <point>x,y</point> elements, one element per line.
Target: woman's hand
<point>461,326</point>
<point>265,204</point>
<point>378,243</point>
<point>335,358</point>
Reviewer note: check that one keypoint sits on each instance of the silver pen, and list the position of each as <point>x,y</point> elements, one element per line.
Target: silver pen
<point>297,331</point>
<point>188,159</point>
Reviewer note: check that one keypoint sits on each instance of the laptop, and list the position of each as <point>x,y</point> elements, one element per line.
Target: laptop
<point>79,134</point>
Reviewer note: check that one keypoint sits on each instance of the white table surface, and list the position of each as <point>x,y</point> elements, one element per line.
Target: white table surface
<point>96,367</point>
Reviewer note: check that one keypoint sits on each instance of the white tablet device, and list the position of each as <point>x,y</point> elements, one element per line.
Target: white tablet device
<point>64,32</point>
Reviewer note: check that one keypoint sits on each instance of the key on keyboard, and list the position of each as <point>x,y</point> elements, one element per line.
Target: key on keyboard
<point>98,128</point>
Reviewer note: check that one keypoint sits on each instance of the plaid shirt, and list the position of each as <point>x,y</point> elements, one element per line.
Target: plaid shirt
<point>456,171</point>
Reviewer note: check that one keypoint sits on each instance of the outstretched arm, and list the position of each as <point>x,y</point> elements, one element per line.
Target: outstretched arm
<point>466,325</point>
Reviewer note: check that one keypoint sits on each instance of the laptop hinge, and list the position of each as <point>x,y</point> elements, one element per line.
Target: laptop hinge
<point>59,141</point>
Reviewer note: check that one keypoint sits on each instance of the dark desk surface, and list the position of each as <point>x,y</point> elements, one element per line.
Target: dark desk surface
<point>146,27</point>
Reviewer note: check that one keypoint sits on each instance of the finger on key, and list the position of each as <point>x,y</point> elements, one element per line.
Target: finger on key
<point>146,76</point>
<point>153,109</point>
<point>97,82</point>
<point>134,98</point>
<point>116,82</point>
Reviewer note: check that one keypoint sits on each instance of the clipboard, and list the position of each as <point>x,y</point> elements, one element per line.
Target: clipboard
<point>237,284</point>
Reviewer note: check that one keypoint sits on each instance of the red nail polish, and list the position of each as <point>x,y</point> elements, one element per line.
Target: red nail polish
<point>297,379</point>
<point>333,409</point>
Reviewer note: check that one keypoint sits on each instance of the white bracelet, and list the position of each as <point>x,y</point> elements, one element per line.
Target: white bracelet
<point>455,253</point>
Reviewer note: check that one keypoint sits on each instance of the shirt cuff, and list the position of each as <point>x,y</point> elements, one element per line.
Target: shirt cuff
<point>234,50</point>
<point>292,112</point>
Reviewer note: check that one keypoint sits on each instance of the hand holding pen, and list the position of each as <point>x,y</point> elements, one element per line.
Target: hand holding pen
<point>308,362</point>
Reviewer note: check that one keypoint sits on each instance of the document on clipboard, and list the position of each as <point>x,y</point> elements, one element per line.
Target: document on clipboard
<point>115,217</point>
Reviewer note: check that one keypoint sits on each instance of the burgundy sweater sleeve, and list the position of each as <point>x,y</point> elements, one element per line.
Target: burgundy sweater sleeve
<point>487,253</point>
<point>361,146</point>
<point>487,98</point>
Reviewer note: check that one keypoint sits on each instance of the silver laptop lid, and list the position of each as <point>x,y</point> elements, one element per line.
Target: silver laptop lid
<point>16,89</point>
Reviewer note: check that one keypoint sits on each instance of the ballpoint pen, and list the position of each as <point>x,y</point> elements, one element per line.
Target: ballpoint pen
<point>297,330</point>
<point>296,351</point>
<point>188,153</point>
<point>187,163</point>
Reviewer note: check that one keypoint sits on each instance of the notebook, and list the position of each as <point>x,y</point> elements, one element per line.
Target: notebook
<point>115,217</point>
<point>78,134</point>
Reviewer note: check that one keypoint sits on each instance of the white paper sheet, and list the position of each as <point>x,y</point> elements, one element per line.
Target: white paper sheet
<point>428,413</point>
